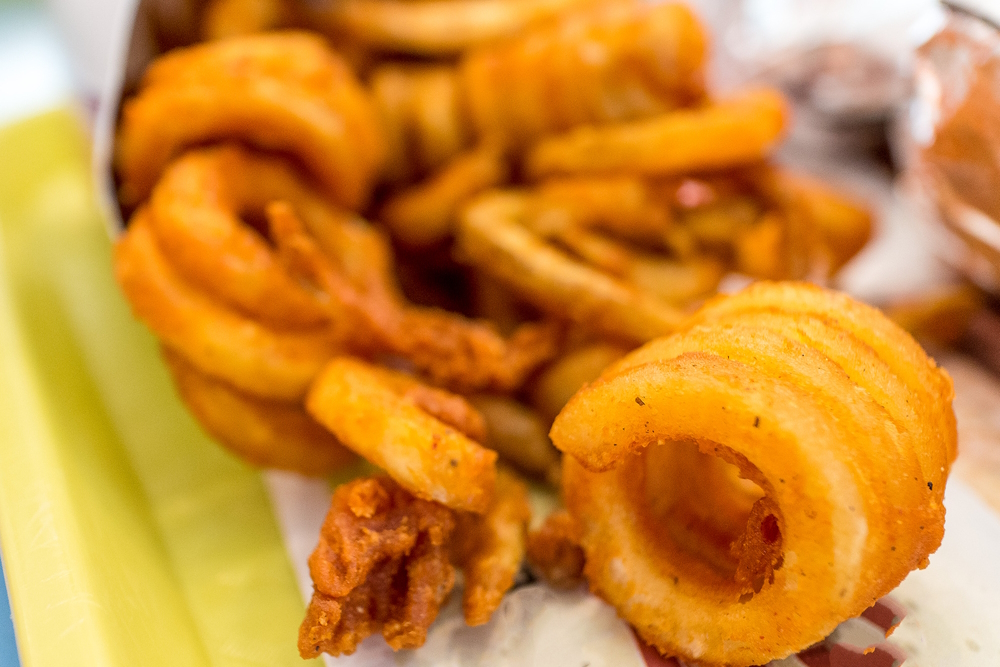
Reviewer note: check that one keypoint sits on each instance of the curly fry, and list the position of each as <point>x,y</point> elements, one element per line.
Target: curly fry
<point>386,426</point>
<point>734,132</point>
<point>490,548</point>
<point>284,91</point>
<point>268,434</point>
<point>554,551</point>
<point>218,341</point>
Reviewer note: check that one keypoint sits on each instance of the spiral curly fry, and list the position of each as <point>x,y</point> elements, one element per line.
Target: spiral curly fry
<point>617,61</point>
<point>285,91</point>
<point>197,212</point>
<point>837,417</point>
<point>371,414</point>
<point>433,27</point>
<point>216,339</point>
<point>490,548</point>
<point>450,350</point>
<point>270,434</point>
<point>741,130</point>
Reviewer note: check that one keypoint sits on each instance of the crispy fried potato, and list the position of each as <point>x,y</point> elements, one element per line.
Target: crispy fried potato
<point>269,434</point>
<point>218,341</point>
<point>424,215</point>
<point>490,548</point>
<point>844,225</point>
<point>222,19</point>
<point>568,374</point>
<point>197,213</point>
<point>447,348</point>
<point>433,27</point>
<point>554,552</point>
<point>807,394</point>
<point>615,61</point>
<point>285,91</point>
<point>426,456</point>
<point>382,565</point>
<point>734,132</point>
<point>518,435</point>
<point>491,237</point>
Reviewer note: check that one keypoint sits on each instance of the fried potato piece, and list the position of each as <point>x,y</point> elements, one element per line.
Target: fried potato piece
<point>490,548</point>
<point>382,565</point>
<point>554,551</point>
<point>518,435</point>
<point>222,19</point>
<point>807,394</point>
<point>448,349</point>
<point>218,341</point>
<point>615,61</point>
<point>197,212</point>
<point>284,91</point>
<point>422,110</point>
<point>843,224</point>
<point>269,434</point>
<point>425,214</point>
<point>729,133</point>
<point>624,206</point>
<point>372,417</point>
<point>433,27</point>
<point>568,374</point>
<point>491,237</point>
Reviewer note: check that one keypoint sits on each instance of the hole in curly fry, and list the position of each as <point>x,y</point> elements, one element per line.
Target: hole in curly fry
<point>713,516</point>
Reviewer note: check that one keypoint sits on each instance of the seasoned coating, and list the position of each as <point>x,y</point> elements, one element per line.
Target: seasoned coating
<point>378,421</point>
<point>490,548</point>
<point>381,566</point>
<point>283,91</point>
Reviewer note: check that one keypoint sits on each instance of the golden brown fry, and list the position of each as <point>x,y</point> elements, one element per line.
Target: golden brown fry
<point>568,374</point>
<point>222,19</point>
<point>196,212</point>
<point>491,237</point>
<point>490,548</point>
<point>760,249</point>
<point>382,565</point>
<point>266,433</point>
<point>424,215</point>
<point>842,224</point>
<point>284,91</point>
<point>615,61</point>
<point>434,27</point>
<point>734,132</point>
<point>808,394</point>
<point>422,113</point>
<point>448,349</point>
<point>554,552</point>
<point>370,416</point>
<point>518,435</point>
<point>216,340</point>
<point>623,206</point>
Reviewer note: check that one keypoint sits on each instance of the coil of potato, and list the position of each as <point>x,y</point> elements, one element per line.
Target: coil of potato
<point>285,91</point>
<point>771,470</point>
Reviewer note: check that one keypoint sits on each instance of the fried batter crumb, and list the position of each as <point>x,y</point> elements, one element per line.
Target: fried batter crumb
<point>382,565</point>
